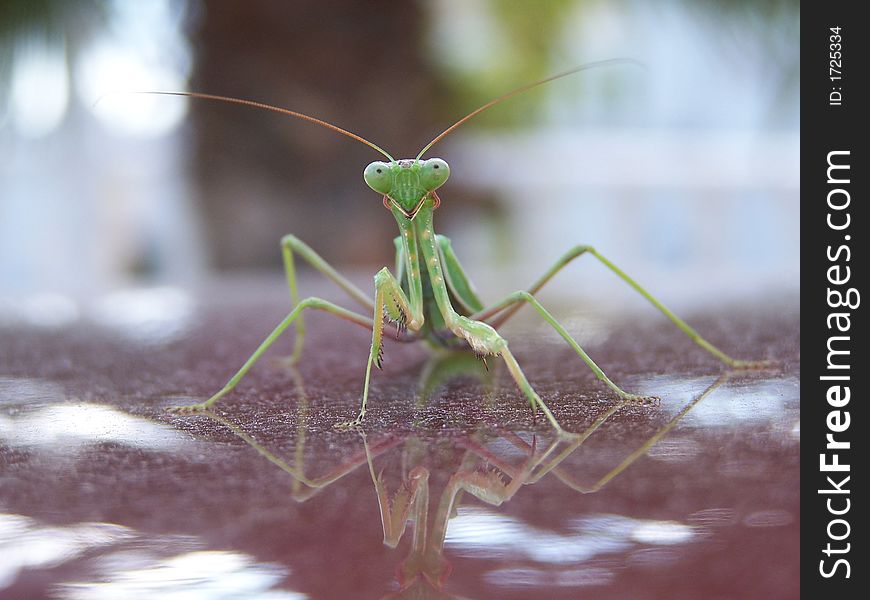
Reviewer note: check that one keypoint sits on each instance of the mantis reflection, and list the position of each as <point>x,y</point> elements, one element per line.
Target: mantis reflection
<point>483,472</point>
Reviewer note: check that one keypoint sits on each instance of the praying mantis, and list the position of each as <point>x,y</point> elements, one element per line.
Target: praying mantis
<point>430,298</point>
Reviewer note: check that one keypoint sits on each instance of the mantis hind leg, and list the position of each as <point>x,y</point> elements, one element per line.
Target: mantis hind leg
<point>460,286</point>
<point>308,303</point>
<point>291,245</point>
<point>507,307</point>
<point>527,389</point>
<point>525,297</point>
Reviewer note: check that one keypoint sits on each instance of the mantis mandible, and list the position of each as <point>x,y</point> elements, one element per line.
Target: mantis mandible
<point>429,297</point>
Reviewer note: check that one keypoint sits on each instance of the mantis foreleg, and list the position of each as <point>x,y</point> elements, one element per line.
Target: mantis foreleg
<point>291,244</point>
<point>392,304</point>
<point>308,303</point>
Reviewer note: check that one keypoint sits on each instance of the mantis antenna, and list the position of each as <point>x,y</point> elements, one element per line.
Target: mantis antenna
<point>525,88</point>
<point>279,110</point>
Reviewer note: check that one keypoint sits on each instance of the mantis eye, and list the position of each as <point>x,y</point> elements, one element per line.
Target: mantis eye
<point>379,177</point>
<point>434,173</point>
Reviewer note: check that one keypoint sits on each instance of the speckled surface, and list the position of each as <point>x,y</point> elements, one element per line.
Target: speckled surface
<point>105,495</point>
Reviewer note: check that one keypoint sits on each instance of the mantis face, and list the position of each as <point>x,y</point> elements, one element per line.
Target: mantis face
<point>407,183</point>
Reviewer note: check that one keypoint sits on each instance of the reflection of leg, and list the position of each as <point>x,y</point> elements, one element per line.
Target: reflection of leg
<point>484,483</point>
<point>291,244</point>
<point>572,483</point>
<point>517,297</point>
<point>297,472</point>
<point>414,493</point>
<point>513,303</point>
<point>301,432</point>
<point>410,503</point>
<point>313,303</point>
<point>544,464</point>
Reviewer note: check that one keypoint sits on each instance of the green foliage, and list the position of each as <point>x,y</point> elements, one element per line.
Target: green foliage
<point>529,31</point>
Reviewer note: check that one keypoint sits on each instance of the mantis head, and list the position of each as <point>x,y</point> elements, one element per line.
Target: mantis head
<point>405,184</point>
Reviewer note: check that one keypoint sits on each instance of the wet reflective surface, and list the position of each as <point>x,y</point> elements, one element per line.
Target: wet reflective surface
<point>452,490</point>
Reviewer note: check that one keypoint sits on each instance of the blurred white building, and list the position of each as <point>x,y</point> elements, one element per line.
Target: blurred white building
<point>685,173</point>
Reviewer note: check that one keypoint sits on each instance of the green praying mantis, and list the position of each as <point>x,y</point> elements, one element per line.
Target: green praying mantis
<point>430,298</point>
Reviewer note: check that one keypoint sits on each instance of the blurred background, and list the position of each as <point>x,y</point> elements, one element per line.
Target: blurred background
<point>684,172</point>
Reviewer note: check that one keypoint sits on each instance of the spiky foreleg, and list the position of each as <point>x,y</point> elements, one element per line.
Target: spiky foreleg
<point>391,304</point>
